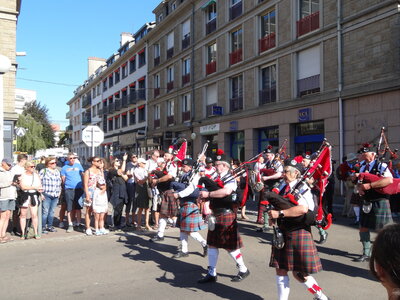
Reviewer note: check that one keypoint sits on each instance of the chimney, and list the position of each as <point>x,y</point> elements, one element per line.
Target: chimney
<point>94,63</point>
<point>126,37</point>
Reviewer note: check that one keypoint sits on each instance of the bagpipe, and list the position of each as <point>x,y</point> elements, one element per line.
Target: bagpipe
<point>280,155</point>
<point>197,165</point>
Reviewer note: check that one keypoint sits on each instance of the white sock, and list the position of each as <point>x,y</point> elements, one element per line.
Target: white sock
<point>197,236</point>
<point>282,282</point>
<point>184,241</point>
<point>162,223</point>
<point>314,289</point>
<point>238,258</point>
<point>212,261</point>
<point>357,212</point>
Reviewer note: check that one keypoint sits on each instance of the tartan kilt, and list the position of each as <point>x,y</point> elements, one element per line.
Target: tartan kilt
<point>190,219</point>
<point>169,205</point>
<point>379,216</point>
<point>226,234</point>
<point>299,253</point>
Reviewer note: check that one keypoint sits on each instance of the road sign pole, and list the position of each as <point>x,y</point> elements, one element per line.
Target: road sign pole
<point>92,141</point>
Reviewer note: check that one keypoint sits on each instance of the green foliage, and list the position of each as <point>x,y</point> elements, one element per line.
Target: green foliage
<point>63,139</point>
<point>40,114</point>
<point>33,139</point>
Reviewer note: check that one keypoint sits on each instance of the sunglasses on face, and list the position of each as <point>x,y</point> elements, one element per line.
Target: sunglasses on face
<point>71,158</point>
<point>31,167</point>
<point>52,163</point>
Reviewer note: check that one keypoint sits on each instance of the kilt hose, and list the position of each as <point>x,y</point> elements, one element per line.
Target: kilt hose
<point>379,216</point>
<point>299,253</point>
<point>190,219</point>
<point>169,205</point>
<point>226,234</point>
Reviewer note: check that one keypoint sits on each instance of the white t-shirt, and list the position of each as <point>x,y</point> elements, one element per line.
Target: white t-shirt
<point>140,173</point>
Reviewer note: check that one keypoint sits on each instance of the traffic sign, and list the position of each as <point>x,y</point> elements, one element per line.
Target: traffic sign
<point>92,136</point>
<point>19,131</point>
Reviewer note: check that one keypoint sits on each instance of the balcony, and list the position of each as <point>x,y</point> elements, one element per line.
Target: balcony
<point>211,67</point>
<point>308,24</point>
<point>157,123</point>
<point>118,104</point>
<point>68,114</point>
<point>132,97</point>
<point>235,11</point>
<point>309,85</point>
<point>86,102</point>
<point>267,42</point>
<point>236,104</point>
<point>69,128</point>
<point>170,120</point>
<point>111,108</point>
<point>235,56</point>
<point>211,26</point>
<point>170,86</point>
<point>170,52</point>
<point>124,101</point>
<point>186,116</point>
<point>86,118</point>
<point>156,61</point>
<point>141,94</point>
<point>186,42</point>
<point>267,95</point>
<point>156,92</point>
<point>185,79</point>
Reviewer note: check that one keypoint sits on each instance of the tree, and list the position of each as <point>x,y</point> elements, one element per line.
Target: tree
<point>63,139</point>
<point>40,114</point>
<point>33,139</point>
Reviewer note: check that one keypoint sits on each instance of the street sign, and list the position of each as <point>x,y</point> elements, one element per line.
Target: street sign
<point>19,131</point>
<point>92,136</point>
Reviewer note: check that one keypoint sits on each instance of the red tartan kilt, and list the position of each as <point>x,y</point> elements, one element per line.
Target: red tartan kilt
<point>226,234</point>
<point>169,205</point>
<point>299,253</point>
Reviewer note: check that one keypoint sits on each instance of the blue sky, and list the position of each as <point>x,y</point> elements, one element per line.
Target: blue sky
<point>58,37</point>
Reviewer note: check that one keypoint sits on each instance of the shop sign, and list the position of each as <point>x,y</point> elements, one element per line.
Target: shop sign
<point>233,125</point>
<point>305,115</point>
<point>209,129</point>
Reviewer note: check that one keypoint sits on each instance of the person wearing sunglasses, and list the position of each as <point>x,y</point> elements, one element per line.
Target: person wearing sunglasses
<point>51,182</point>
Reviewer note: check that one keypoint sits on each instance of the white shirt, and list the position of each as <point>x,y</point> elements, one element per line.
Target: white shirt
<point>151,165</point>
<point>232,184</point>
<point>140,173</point>
<point>306,198</point>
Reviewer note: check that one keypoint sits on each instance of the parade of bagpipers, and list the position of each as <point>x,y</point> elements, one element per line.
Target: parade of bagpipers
<point>238,124</point>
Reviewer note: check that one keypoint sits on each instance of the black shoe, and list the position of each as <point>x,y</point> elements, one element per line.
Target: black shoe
<point>52,229</point>
<point>323,238</point>
<point>240,276</point>
<point>205,251</point>
<point>156,238</point>
<point>355,223</point>
<point>362,258</point>
<point>181,254</point>
<point>208,278</point>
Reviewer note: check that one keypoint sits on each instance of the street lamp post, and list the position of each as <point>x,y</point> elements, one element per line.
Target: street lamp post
<point>5,65</point>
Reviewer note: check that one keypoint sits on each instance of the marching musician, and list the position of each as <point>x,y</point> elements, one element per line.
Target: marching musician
<point>299,253</point>
<point>376,213</point>
<point>168,208</point>
<point>190,219</point>
<point>210,170</point>
<point>225,234</point>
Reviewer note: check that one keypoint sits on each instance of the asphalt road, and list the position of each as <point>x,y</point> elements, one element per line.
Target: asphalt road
<point>128,266</point>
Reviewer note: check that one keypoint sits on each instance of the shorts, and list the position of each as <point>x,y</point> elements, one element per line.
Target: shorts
<point>72,197</point>
<point>7,205</point>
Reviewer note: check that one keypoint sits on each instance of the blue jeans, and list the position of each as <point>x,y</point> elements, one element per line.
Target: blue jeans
<point>48,207</point>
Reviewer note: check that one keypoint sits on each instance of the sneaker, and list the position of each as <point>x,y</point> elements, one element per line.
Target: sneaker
<point>104,231</point>
<point>156,238</point>
<point>61,225</point>
<point>45,231</point>
<point>75,224</point>
<point>98,232</point>
<point>181,254</point>
<point>70,229</point>
<point>240,276</point>
<point>52,229</point>
<point>89,231</point>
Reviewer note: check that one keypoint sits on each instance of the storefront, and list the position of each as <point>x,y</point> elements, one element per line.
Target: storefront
<point>210,133</point>
<point>268,136</point>
<point>308,136</point>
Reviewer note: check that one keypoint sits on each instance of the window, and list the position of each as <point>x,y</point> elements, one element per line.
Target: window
<point>124,70</point>
<point>236,9</point>
<point>93,92</point>
<point>236,93</point>
<point>211,65</point>
<point>156,48</point>
<point>142,57</point>
<point>142,88</point>
<point>98,89</point>
<point>132,64</point>
<point>142,113</point>
<point>110,80</point>
<point>117,122</point>
<point>104,85</point>
<point>186,34</point>
<point>110,124</point>
<point>211,17</point>
<point>308,77</point>
<point>186,71</point>
<point>116,75</point>
<point>170,45</point>
<point>211,99</point>
<point>170,112</point>
<point>132,117</point>
<point>124,119</point>
<point>268,31</point>
<point>308,16</point>
<point>160,18</point>
<point>157,116</point>
<point>186,107</point>
<point>156,85</point>
<point>236,47</point>
<point>173,6</point>
<point>170,78</point>
<point>268,84</point>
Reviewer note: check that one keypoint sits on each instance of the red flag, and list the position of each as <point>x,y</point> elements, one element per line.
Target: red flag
<point>181,151</point>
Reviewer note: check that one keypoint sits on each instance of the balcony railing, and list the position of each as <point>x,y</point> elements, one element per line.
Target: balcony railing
<point>170,86</point>
<point>118,104</point>
<point>309,85</point>
<point>267,42</point>
<point>267,95</point>
<point>308,24</point>
<point>86,102</point>
<point>186,42</point>
<point>132,97</point>
<point>156,92</point>
<point>235,11</point>
<point>157,123</point>
<point>170,120</point>
<point>235,56</point>
<point>86,119</point>
<point>156,61</point>
<point>170,52</point>
<point>185,79</point>
<point>111,108</point>
<point>236,104</point>
<point>186,116</point>
<point>211,26</point>
<point>124,102</point>
<point>141,94</point>
<point>211,67</point>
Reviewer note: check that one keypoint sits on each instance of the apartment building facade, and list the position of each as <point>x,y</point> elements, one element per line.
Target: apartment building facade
<point>246,74</point>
